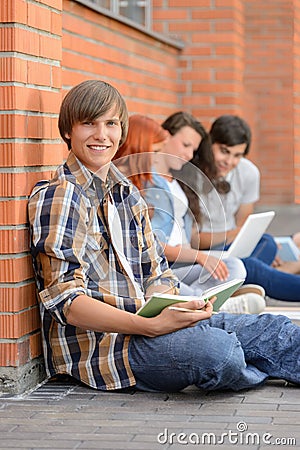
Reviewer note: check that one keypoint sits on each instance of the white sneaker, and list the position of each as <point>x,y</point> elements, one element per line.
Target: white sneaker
<point>244,304</point>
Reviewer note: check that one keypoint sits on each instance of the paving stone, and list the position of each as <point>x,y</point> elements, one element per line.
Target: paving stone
<point>120,421</point>
<point>69,415</point>
<point>37,444</point>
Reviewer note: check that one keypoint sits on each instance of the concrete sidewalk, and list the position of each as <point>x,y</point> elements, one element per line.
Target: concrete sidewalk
<point>63,414</point>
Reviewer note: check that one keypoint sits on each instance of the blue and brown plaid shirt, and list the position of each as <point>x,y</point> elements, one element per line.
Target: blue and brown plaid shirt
<point>73,254</point>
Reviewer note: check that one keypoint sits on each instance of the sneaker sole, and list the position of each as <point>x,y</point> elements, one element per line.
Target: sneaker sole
<point>250,288</point>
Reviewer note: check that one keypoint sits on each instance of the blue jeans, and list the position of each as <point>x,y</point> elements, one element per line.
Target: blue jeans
<point>225,352</point>
<point>266,249</point>
<point>277,284</point>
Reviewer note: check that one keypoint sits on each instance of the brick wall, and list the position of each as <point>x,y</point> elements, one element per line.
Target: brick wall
<point>142,68</point>
<point>212,62</point>
<point>240,58</point>
<point>30,95</point>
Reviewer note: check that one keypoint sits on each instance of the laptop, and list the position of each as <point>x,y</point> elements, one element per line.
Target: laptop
<point>248,236</point>
<point>287,249</point>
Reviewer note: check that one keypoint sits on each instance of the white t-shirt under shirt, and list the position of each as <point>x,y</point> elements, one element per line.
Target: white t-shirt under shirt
<point>180,202</point>
<point>218,210</point>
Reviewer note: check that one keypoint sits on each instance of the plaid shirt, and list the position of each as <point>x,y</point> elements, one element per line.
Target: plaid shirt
<point>74,253</point>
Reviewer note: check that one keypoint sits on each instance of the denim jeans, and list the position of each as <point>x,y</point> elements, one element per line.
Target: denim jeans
<point>277,284</point>
<point>266,249</point>
<point>225,352</point>
<point>194,279</point>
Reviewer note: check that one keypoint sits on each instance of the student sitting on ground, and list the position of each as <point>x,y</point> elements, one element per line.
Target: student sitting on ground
<point>97,261</point>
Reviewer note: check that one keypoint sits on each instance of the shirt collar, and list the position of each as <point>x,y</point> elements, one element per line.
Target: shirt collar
<point>86,178</point>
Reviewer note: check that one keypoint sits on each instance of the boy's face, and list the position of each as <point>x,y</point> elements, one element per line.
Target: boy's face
<point>227,158</point>
<point>95,143</point>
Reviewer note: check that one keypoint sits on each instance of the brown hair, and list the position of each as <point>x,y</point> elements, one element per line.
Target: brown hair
<point>88,101</point>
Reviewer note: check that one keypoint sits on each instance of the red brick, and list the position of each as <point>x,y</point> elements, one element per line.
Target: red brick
<point>35,345</point>
<point>18,184</point>
<point>14,354</point>
<point>15,11</point>
<point>17,298</point>
<point>21,154</point>
<point>14,326</point>
<point>14,270</point>
<point>13,212</point>
<point>14,241</point>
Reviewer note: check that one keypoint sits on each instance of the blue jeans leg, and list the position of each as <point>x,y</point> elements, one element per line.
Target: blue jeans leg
<point>226,352</point>
<point>277,284</point>
<point>270,342</point>
<point>205,356</point>
<point>266,249</point>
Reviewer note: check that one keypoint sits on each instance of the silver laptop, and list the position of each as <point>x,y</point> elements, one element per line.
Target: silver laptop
<point>248,236</point>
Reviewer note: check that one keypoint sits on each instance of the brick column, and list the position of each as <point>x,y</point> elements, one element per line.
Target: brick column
<point>30,148</point>
<point>269,84</point>
<point>212,62</point>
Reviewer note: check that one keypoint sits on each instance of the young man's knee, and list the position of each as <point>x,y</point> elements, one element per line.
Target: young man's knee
<point>225,366</point>
<point>219,348</point>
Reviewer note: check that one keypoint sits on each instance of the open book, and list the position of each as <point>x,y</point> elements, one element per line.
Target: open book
<point>158,302</point>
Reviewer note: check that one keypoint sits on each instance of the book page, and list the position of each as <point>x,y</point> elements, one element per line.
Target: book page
<point>160,301</point>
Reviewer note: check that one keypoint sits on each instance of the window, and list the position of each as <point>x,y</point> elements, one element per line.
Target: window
<point>138,11</point>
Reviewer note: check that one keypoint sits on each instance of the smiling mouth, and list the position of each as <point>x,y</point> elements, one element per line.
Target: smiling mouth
<point>98,148</point>
<point>223,167</point>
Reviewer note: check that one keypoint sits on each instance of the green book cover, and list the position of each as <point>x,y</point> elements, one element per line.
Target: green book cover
<point>160,301</point>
